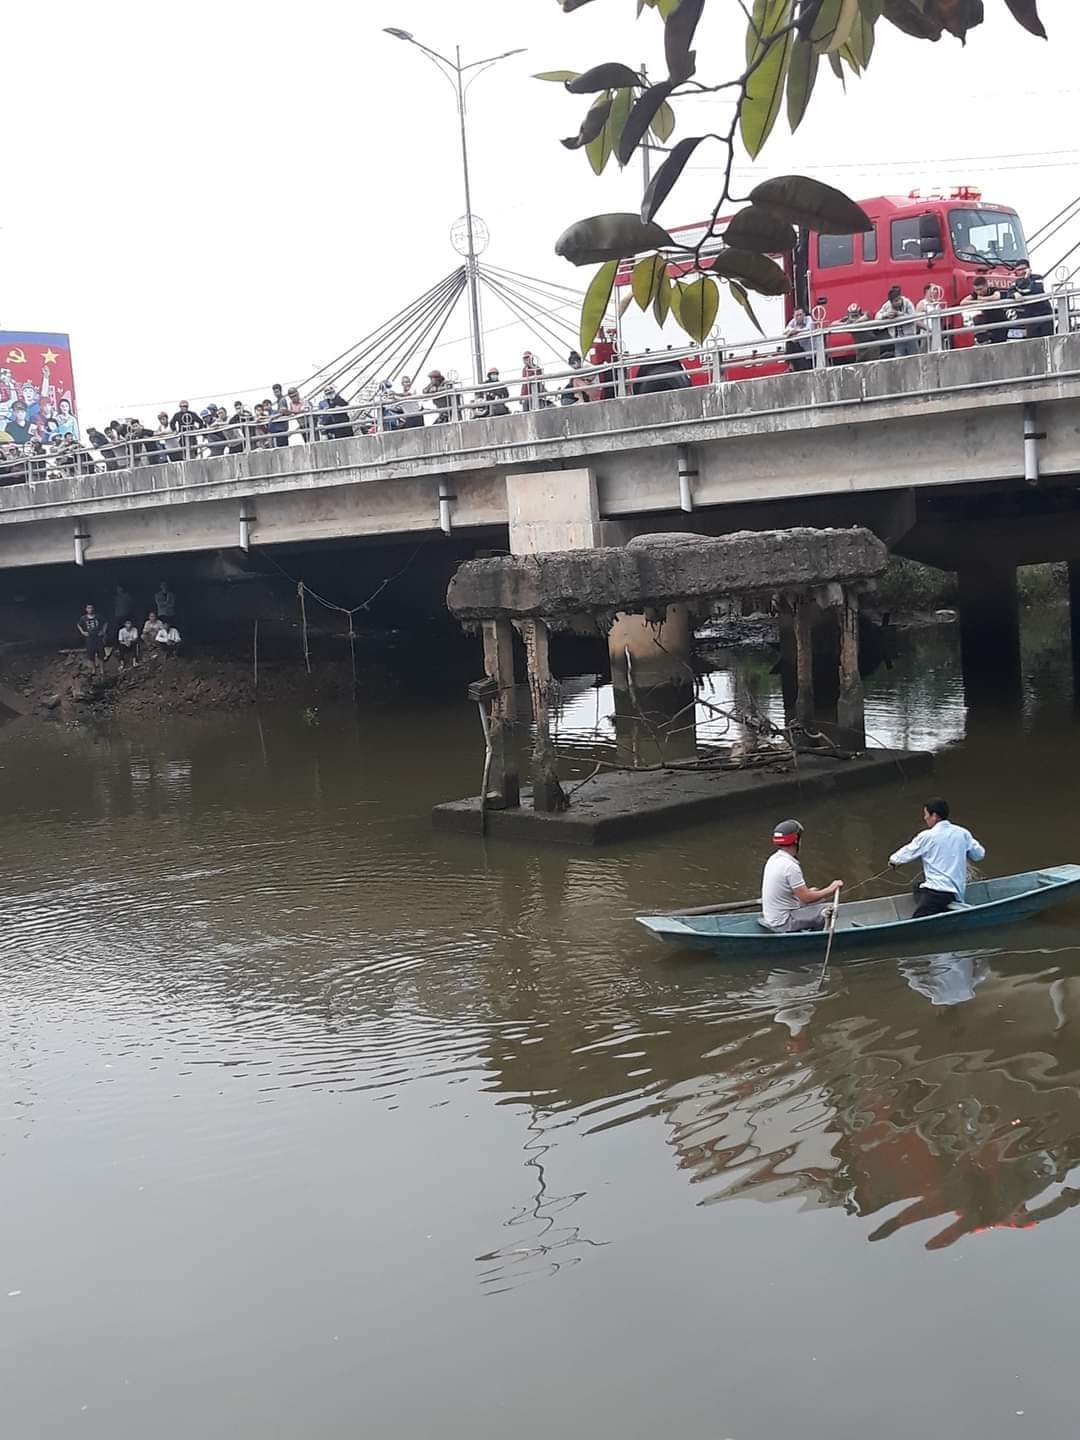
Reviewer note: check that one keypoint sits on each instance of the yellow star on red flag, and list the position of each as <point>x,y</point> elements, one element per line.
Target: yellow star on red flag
<point>50,357</point>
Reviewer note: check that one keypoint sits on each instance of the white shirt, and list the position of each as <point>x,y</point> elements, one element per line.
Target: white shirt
<point>128,635</point>
<point>169,635</point>
<point>781,875</point>
<point>799,332</point>
<point>944,850</point>
<point>903,307</point>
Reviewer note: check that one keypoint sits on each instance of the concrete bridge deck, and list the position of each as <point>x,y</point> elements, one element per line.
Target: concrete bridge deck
<point>920,424</point>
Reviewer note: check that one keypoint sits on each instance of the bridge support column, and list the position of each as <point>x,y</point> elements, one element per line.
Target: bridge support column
<point>503,786</point>
<point>1074,621</point>
<point>850,712</point>
<point>653,685</point>
<point>989,630</point>
<point>548,794</point>
<point>804,662</point>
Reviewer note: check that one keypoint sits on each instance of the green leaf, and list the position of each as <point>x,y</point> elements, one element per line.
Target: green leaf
<point>861,39</point>
<point>833,25</point>
<point>698,307</point>
<point>756,271</point>
<point>768,51</point>
<point>560,76</point>
<point>679,27</point>
<point>850,59</point>
<point>675,295</point>
<point>802,201</point>
<point>662,182</point>
<point>641,117</point>
<point>802,73</point>
<point>592,127</point>
<point>647,278</point>
<point>744,300</point>
<point>662,304</point>
<point>757,229</point>
<point>620,111</point>
<point>611,76</point>
<point>599,147</point>
<point>610,237</point>
<point>838,69</point>
<point>663,123</point>
<point>1026,12</point>
<point>596,302</point>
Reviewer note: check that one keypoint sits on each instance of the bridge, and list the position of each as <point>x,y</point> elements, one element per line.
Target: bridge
<point>967,460</point>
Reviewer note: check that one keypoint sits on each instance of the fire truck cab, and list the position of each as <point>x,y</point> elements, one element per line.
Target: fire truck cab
<point>917,241</point>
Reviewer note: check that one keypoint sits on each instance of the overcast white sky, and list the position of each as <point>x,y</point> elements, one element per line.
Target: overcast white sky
<point>319,167</point>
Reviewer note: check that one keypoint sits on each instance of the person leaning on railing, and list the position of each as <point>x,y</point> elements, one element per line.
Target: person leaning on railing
<point>410,406</point>
<point>494,398</point>
<point>334,422</point>
<point>438,387</point>
<point>987,332</point>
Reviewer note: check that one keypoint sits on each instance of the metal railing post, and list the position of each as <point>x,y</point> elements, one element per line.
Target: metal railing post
<point>1062,312</point>
<point>817,338</point>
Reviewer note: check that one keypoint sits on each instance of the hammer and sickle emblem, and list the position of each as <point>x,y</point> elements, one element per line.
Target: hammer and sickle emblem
<point>16,357</point>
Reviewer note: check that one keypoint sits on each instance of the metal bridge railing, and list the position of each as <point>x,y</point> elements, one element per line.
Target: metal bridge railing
<point>823,343</point>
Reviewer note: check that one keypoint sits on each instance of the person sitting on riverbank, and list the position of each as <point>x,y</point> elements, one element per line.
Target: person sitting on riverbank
<point>944,849</point>
<point>127,645</point>
<point>787,902</point>
<point>93,630</point>
<point>168,639</point>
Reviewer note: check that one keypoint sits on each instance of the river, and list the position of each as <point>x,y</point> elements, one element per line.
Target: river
<point>316,1124</point>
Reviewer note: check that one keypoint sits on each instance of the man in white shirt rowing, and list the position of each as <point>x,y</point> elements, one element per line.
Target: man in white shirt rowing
<point>787,902</point>
<point>944,849</point>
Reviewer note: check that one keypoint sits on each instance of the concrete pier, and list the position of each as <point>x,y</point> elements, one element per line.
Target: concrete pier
<point>645,595</point>
<point>989,630</point>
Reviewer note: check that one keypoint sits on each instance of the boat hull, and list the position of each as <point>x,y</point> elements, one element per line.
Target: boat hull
<point>864,923</point>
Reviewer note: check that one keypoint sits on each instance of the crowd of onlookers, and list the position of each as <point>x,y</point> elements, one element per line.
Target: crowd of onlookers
<point>998,311</point>
<point>32,452</point>
<point>120,636</point>
<point>51,446</point>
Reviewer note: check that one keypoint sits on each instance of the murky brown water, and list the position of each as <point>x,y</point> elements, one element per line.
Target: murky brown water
<point>317,1125</point>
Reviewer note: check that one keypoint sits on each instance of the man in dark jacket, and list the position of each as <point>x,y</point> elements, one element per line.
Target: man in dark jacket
<point>494,397</point>
<point>1036,316</point>
<point>334,416</point>
<point>185,423</point>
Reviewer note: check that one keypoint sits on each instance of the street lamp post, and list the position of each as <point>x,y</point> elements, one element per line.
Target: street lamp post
<point>455,72</point>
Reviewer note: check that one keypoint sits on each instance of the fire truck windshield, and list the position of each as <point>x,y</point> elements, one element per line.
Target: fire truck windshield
<point>993,236</point>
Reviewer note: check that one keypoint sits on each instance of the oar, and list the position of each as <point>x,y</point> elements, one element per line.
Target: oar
<point>754,904</point>
<point>832,932</point>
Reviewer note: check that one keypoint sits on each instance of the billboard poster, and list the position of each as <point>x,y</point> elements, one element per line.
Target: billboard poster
<point>37,387</point>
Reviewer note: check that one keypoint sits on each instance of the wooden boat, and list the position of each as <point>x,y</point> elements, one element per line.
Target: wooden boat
<point>869,922</point>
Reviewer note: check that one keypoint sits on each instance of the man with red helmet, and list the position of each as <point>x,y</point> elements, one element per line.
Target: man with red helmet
<point>787,902</point>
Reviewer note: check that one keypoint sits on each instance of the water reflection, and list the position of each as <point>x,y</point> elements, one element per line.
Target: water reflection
<point>908,707</point>
<point>308,1076</point>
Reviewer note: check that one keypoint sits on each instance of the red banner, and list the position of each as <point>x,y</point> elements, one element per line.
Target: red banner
<point>37,387</point>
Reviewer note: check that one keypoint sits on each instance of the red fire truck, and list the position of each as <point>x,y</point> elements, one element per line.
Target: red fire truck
<point>941,239</point>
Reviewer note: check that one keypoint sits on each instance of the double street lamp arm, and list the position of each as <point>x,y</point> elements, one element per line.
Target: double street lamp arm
<point>455,72</point>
